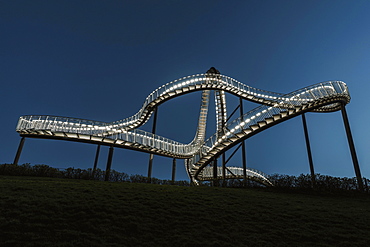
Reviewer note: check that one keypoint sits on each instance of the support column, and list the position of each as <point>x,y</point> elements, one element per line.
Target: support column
<point>19,151</point>
<point>215,180</point>
<point>308,146</point>
<point>352,148</point>
<point>173,170</point>
<point>96,161</point>
<point>223,170</point>
<point>244,159</point>
<point>151,156</point>
<point>109,163</point>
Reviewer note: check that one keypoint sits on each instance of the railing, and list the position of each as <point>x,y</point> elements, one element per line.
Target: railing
<point>33,123</point>
<point>155,141</point>
<point>102,128</point>
<point>234,172</point>
<point>303,96</point>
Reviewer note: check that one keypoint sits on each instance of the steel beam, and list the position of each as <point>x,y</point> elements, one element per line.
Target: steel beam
<point>232,113</point>
<point>96,161</point>
<point>151,156</point>
<point>223,170</point>
<point>244,159</point>
<point>232,154</point>
<point>173,170</point>
<point>109,163</point>
<point>19,151</point>
<point>308,146</point>
<point>215,180</point>
<point>150,168</point>
<point>352,148</point>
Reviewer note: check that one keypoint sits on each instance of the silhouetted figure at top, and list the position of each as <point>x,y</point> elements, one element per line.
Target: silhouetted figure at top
<point>213,70</point>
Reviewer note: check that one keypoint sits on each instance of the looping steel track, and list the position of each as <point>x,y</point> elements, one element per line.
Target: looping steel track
<point>274,109</point>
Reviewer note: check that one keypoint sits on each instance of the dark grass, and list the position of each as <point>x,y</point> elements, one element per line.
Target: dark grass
<point>65,212</point>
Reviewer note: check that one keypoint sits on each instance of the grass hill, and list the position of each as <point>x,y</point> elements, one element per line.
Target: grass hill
<point>67,212</point>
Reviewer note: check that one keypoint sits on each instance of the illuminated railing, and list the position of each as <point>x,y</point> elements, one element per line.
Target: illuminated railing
<point>49,124</point>
<point>298,98</point>
<point>162,93</point>
<point>259,116</point>
<point>235,173</point>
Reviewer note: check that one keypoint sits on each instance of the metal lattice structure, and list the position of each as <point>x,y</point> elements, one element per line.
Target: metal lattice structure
<point>200,152</point>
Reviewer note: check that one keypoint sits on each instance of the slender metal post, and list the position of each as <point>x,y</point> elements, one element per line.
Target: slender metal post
<point>232,154</point>
<point>19,151</point>
<point>223,170</point>
<point>308,146</point>
<point>151,156</point>
<point>96,161</point>
<point>366,186</point>
<point>173,170</point>
<point>109,163</point>
<point>215,180</point>
<point>244,159</point>
<point>352,148</point>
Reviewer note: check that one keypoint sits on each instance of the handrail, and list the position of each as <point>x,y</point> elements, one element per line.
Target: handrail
<point>237,173</point>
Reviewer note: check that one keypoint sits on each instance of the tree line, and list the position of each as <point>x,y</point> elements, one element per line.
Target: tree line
<point>77,173</point>
<point>321,182</point>
<point>281,182</point>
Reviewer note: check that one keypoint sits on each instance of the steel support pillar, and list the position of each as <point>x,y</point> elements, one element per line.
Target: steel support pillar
<point>19,151</point>
<point>109,163</point>
<point>308,146</point>
<point>151,156</point>
<point>150,168</point>
<point>173,170</point>
<point>244,159</point>
<point>215,180</point>
<point>223,170</point>
<point>352,149</point>
<point>96,161</point>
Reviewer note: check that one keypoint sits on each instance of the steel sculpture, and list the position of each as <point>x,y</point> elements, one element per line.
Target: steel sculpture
<point>200,154</point>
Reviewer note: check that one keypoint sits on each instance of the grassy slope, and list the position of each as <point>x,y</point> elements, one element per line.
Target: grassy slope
<point>62,212</point>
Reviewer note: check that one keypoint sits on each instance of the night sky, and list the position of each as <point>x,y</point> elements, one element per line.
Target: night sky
<point>99,60</point>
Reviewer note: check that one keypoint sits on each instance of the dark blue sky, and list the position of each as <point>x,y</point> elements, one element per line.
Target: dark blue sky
<point>100,59</point>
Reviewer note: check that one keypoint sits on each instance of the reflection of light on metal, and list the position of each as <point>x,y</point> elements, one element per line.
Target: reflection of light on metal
<point>322,97</point>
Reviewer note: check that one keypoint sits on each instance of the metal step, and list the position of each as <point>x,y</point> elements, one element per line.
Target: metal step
<point>276,117</point>
<point>240,134</point>
<point>283,114</point>
<point>269,120</point>
<point>262,123</point>
<point>247,131</point>
<point>233,139</point>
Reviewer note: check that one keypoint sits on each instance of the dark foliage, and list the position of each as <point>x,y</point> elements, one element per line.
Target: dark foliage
<point>77,173</point>
<point>281,182</point>
<point>322,183</point>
